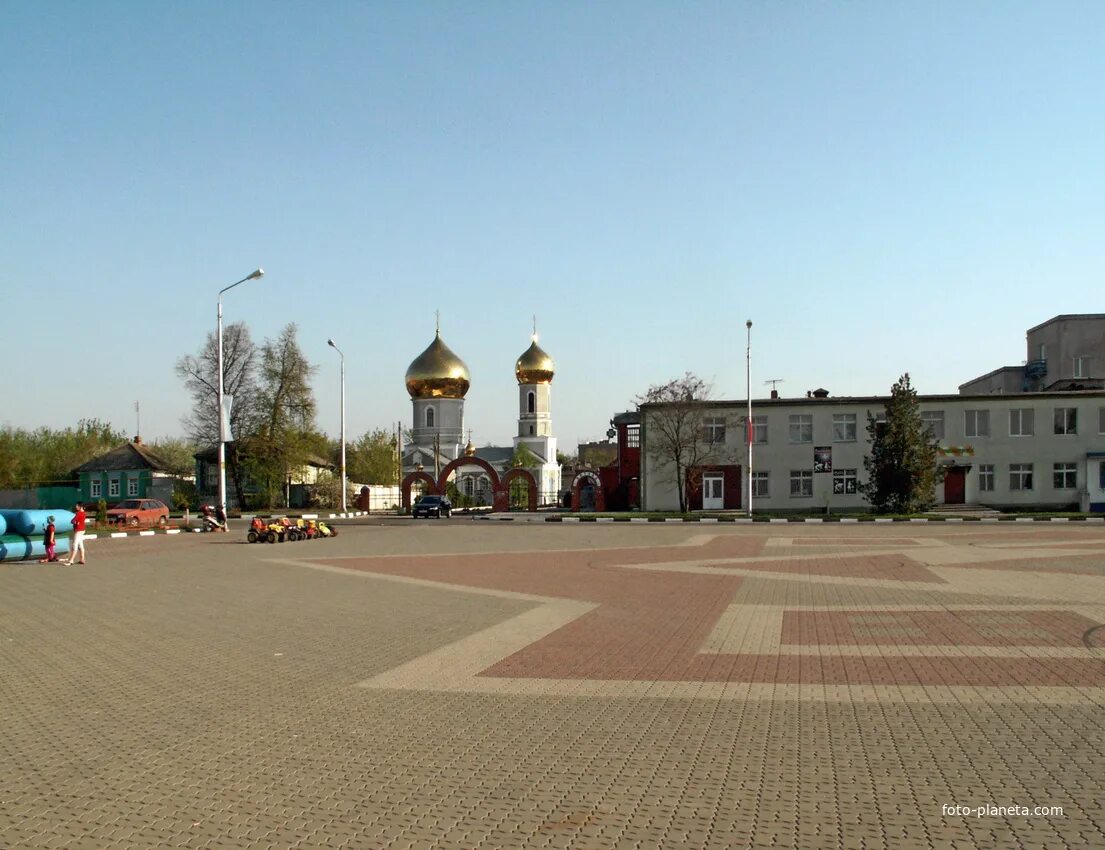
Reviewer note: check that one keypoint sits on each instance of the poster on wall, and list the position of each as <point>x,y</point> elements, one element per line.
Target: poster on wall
<point>823,459</point>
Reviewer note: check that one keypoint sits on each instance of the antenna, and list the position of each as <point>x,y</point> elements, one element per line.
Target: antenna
<point>773,382</point>
<point>437,322</point>
<point>535,327</point>
<point>138,417</point>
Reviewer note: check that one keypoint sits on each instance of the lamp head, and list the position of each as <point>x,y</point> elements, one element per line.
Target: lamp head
<point>330,343</point>
<point>748,324</point>
<point>258,273</point>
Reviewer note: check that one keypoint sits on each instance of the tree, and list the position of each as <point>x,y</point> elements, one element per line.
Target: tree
<point>675,431</point>
<point>201,378</point>
<point>901,469</point>
<point>372,459</point>
<point>46,455</point>
<point>285,436</point>
<point>179,456</point>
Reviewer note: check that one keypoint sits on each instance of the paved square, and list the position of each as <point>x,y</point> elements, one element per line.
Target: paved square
<point>497,685</point>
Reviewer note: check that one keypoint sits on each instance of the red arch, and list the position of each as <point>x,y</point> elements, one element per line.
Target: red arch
<point>526,476</point>
<point>405,488</point>
<point>577,483</point>
<point>468,461</point>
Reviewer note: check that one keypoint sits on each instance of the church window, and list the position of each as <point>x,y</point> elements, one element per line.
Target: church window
<point>531,403</point>
<point>429,417</point>
<point>531,430</point>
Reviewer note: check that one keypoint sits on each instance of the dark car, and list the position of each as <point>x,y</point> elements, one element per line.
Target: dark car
<point>429,506</point>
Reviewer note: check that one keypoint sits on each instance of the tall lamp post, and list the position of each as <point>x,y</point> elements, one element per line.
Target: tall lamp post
<point>224,419</point>
<point>748,390</point>
<point>344,486</point>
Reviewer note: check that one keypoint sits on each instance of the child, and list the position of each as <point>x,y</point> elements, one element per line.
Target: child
<point>50,540</point>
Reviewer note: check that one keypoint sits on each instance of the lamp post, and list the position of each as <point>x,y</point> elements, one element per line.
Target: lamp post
<point>344,486</point>
<point>748,390</point>
<point>224,419</point>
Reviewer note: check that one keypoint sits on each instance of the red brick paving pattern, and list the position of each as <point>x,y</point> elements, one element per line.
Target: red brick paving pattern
<point>650,625</point>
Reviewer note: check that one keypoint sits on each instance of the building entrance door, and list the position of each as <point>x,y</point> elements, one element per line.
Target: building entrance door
<point>713,492</point>
<point>955,486</point>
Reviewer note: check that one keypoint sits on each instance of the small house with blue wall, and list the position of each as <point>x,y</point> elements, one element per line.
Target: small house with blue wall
<point>131,471</point>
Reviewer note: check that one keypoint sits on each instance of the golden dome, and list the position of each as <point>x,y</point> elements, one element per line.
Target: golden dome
<point>534,366</point>
<point>470,449</point>
<point>437,373</point>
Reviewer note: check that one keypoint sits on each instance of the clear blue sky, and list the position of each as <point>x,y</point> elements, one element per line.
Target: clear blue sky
<point>881,187</point>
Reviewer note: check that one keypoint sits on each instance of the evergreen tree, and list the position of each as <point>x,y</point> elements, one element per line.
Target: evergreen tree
<point>901,469</point>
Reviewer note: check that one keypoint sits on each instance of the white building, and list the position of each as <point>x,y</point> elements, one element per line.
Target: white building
<point>1025,450</point>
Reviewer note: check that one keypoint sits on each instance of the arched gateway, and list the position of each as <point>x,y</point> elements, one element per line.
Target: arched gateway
<point>590,479</point>
<point>405,487</point>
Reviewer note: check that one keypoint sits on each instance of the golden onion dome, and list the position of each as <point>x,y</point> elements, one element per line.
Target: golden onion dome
<point>469,450</point>
<point>437,373</point>
<point>534,366</point>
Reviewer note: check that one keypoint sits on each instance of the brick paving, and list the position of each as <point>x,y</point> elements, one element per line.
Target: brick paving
<point>462,685</point>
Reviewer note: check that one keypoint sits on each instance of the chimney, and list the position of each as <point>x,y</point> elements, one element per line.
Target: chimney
<point>774,393</point>
<point>809,393</point>
<point>821,392</point>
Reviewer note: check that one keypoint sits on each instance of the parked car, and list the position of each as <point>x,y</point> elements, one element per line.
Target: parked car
<point>135,512</point>
<point>429,506</point>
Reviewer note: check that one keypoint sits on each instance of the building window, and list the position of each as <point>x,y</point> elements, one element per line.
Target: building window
<point>1101,478</point>
<point>1080,367</point>
<point>801,483</point>
<point>761,488</point>
<point>976,423</point>
<point>986,478</point>
<point>531,430</point>
<point>113,488</point>
<point>633,437</point>
<point>759,429</point>
<point>1020,476</point>
<point>1022,422</point>
<point>469,486</point>
<point>531,402</point>
<point>132,486</point>
<point>1043,352</point>
<point>934,421</point>
<point>1101,421</point>
<point>95,488</point>
<point>713,429</point>
<point>844,427</point>
<point>844,482</point>
<point>801,428</point>
<point>1066,420</point>
<point>1065,476</point>
<point>429,417</point>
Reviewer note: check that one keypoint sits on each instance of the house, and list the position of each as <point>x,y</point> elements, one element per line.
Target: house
<point>131,471</point>
<point>299,485</point>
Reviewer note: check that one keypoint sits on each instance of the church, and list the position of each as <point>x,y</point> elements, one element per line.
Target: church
<point>438,380</point>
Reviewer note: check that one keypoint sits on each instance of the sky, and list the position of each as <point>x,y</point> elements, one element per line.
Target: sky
<point>879,187</point>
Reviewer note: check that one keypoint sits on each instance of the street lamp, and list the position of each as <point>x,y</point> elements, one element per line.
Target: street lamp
<point>748,390</point>
<point>344,486</point>
<point>224,417</point>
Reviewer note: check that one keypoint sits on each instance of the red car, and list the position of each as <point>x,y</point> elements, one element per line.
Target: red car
<point>135,512</point>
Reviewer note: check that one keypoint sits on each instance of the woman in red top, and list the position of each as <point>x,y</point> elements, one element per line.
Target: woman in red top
<point>78,536</point>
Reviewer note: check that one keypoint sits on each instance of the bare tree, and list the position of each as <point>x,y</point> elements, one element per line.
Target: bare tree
<point>674,435</point>
<point>285,436</point>
<point>201,377</point>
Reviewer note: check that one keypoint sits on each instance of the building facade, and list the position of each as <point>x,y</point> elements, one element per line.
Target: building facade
<point>1021,451</point>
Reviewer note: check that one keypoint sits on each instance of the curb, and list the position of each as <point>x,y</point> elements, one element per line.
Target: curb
<point>151,532</point>
<point>830,519</point>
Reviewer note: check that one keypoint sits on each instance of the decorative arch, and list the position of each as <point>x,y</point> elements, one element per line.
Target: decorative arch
<point>452,465</point>
<point>405,487</point>
<point>531,482</point>
<point>577,484</point>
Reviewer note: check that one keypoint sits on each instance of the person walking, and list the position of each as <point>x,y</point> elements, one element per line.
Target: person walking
<point>78,536</point>
<point>50,540</point>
